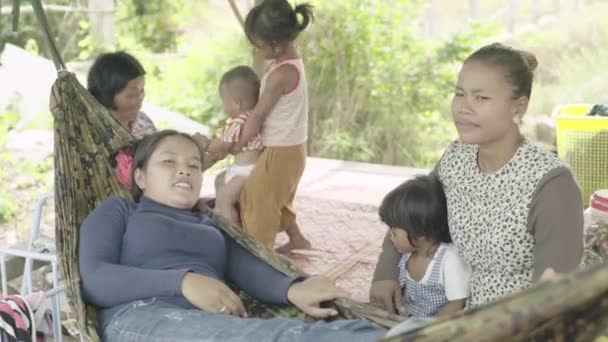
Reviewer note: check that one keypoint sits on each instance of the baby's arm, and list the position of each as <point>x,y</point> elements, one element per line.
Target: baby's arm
<point>210,159</point>
<point>219,146</point>
<point>212,150</point>
<point>278,82</point>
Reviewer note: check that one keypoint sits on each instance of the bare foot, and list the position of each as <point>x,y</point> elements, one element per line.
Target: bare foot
<point>294,243</point>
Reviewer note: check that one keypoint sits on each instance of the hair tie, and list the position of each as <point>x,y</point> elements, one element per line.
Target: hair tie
<point>124,168</point>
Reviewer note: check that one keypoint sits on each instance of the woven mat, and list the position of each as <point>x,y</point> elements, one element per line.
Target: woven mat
<point>346,240</point>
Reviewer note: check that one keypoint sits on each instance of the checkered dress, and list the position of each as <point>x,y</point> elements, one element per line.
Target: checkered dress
<point>423,299</point>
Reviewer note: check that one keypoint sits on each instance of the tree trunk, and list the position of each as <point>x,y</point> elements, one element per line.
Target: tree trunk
<point>511,14</point>
<point>257,58</point>
<point>473,10</point>
<point>102,21</point>
<point>430,19</point>
<point>536,12</point>
<point>579,4</point>
<point>556,6</point>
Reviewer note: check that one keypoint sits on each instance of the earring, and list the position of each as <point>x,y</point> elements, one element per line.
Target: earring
<point>517,120</point>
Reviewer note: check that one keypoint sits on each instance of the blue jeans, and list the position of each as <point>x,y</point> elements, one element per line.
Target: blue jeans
<point>156,321</point>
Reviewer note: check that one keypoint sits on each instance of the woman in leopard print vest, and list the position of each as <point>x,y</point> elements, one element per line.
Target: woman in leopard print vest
<point>514,209</point>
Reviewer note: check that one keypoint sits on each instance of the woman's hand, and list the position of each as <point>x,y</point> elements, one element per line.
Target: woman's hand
<point>386,294</point>
<point>548,274</point>
<point>211,295</point>
<point>310,293</point>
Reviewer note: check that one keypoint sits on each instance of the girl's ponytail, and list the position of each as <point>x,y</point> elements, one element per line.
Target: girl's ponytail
<point>276,21</point>
<point>306,11</point>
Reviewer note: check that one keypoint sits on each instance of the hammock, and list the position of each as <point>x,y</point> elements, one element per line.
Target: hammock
<point>571,308</point>
<point>86,135</point>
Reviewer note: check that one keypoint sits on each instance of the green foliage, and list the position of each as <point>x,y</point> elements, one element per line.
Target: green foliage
<point>17,174</point>
<point>27,28</point>
<point>572,61</point>
<point>377,91</point>
<point>153,25</point>
<point>88,48</point>
<point>64,26</point>
<point>376,88</point>
<point>7,208</point>
<point>8,119</point>
<point>189,84</point>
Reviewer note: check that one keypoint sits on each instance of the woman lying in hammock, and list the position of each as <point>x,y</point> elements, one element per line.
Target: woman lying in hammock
<point>157,268</point>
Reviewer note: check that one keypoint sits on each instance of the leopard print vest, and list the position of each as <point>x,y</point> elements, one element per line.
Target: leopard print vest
<point>488,216</point>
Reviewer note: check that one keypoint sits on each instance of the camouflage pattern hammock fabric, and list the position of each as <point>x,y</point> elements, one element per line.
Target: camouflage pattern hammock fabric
<point>569,308</point>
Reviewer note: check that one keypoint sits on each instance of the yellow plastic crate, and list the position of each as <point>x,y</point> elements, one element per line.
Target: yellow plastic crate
<point>582,141</point>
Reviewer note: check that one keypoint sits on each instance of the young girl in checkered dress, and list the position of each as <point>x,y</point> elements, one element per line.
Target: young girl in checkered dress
<point>433,278</point>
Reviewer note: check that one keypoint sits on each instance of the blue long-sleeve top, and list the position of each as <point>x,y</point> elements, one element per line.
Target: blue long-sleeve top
<point>131,252</point>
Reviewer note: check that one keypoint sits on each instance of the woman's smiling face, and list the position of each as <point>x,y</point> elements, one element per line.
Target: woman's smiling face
<point>173,174</point>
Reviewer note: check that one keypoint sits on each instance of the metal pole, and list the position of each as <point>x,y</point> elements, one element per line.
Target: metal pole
<point>511,12</point>
<point>556,7</point>
<point>535,11</point>
<point>101,16</point>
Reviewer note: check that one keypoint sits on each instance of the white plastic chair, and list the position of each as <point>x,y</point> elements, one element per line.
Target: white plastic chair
<point>37,250</point>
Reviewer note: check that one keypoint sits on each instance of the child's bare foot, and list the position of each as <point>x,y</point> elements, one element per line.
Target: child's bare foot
<point>295,243</point>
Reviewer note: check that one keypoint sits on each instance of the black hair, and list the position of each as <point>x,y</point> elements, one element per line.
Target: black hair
<point>276,21</point>
<point>143,149</point>
<point>419,207</point>
<point>243,81</point>
<point>110,74</point>
<point>518,65</point>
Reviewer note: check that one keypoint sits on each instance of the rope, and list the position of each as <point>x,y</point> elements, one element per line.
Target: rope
<point>44,25</point>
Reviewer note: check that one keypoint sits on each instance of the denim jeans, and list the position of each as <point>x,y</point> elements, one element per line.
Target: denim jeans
<point>156,321</point>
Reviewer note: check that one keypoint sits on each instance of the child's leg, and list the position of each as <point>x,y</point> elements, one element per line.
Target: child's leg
<point>220,180</point>
<point>269,188</point>
<point>227,195</point>
<point>290,225</point>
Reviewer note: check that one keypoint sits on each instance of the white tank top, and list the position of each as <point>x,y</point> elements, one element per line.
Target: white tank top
<point>287,122</point>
